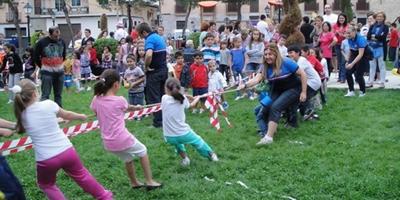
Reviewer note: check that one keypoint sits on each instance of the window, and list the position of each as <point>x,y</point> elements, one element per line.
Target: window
<point>336,5</point>
<point>232,7</point>
<point>254,6</point>
<point>180,8</point>
<point>180,24</point>
<point>38,7</point>
<point>362,5</point>
<point>76,2</point>
<point>59,5</point>
<point>209,10</point>
<point>311,6</point>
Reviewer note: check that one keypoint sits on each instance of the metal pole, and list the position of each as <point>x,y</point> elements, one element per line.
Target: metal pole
<point>29,29</point>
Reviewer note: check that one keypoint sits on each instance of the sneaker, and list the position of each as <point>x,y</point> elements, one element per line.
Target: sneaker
<point>350,94</point>
<point>238,98</point>
<point>225,105</point>
<point>265,140</point>
<point>88,88</point>
<point>369,85</point>
<point>185,162</point>
<point>10,102</point>
<point>252,98</point>
<point>214,157</point>
<point>201,110</point>
<point>361,94</point>
<point>194,111</point>
<point>315,116</point>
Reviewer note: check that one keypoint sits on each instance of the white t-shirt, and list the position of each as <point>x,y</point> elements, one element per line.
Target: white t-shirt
<point>174,119</point>
<point>120,33</point>
<point>216,81</point>
<point>262,26</point>
<point>40,122</point>
<point>313,79</point>
<point>283,50</point>
<point>332,18</point>
<point>324,63</point>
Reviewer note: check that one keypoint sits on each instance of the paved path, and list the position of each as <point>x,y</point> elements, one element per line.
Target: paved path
<point>393,82</point>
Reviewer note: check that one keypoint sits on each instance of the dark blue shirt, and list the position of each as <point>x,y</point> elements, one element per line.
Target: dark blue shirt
<point>286,78</point>
<point>358,42</point>
<point>237,56</point>
<point>156,43</point>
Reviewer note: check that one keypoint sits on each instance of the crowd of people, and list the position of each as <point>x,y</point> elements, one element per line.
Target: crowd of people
<point>286,80</point>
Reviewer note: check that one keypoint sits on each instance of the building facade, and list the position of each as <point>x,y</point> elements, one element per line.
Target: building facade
<point>83,14</point>
<point>173,15</point>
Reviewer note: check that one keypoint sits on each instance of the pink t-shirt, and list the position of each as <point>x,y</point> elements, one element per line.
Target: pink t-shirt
<point>110,111</point>
<point>339,32</point>
<point>325,40</point>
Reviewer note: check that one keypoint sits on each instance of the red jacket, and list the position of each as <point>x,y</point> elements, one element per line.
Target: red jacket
<point>93,56</point>
<point>317,65</point>
<point>199,76</point>
<point>394,38</point>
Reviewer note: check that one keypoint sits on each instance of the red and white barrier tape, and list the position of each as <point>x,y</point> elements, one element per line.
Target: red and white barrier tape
<point>25,143</point>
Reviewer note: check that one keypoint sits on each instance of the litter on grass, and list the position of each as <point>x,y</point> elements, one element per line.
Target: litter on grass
<point>209,179</point>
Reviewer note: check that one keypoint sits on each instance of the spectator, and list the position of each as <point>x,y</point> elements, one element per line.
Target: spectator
<point>340,29</point>
<point>327,40</point>
<point>329,16</point>
<point>307,29</point>
<point>393,42</point>
<point>155,68</point>
<point>88,37</point>
<point>49,56</point>
<point>120,32</point>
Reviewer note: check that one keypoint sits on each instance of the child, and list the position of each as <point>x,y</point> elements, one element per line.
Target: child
<point>345,51</point>
<point>199,82</point>
<point>254,55</point>
<point>224,66</point>
<point>281,46</point>
<point>68,74</point>
<point>85,67</point>
<point>140,54</point>
<point>178,67</point>
<point>13,63</point>
<point>134,76</point>
<point>216,81</point>
<point>210,51</point>
<point>238,60</point>
<point>9,183</point>
<point>28,62</point>
<point>175,129</point>
<point>106,58</point>
<point>324,89</point>
<point>53,150</point>
<point>110,111</point>
<point>76,70</point>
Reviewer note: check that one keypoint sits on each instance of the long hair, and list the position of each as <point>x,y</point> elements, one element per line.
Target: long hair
<point>21,101</point>
<point>106,82</point>
<point>345,20</point>
<point>276,67</point>
<point>252,38</point>
<point>174,86</point>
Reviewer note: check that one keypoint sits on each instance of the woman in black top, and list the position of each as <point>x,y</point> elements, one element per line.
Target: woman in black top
<point>12,63</point>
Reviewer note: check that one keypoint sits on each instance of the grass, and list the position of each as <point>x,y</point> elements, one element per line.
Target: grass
<point>350,153</point>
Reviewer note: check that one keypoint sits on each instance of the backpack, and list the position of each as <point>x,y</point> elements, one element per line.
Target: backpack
<point>185,78</point>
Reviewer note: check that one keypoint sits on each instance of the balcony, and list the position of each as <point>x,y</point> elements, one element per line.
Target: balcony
<point>10,17</point>
<point>79,10</point>
<point>362,5</point>
<point>75,10</point>
<point>311,6</point>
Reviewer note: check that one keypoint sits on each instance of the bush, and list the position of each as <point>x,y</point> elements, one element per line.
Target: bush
<point>99,45</point>
<point>196,38</point>
<point>34,38</point>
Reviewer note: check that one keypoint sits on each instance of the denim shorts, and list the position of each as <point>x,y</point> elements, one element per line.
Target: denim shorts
<point>136,98</point>
<point>200,91</point>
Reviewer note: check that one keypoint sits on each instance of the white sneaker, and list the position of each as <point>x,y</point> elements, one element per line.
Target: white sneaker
<point>201,110</point>
<point>350,94</point>
<point>185,162</point>
<point>88,88</point>
<point>252,98</point>
<point>265,140</point>
<point>238,98</point>
<point>10,102</point>
<point>362,94</point>
<point>194,111</point>
<point>214,157</point>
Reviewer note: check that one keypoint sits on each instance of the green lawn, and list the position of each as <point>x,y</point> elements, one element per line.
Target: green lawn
<point>352,152</point>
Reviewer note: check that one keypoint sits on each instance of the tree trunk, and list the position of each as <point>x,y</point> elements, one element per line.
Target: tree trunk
<point>187,18</point>
<point>14,10</point>
<point>130,23</point>
<point>239,13</point>
<point>66,13</point>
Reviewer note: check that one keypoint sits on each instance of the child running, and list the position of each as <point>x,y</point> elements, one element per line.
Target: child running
<point>110,111</point>
<point>53,150</point>
<point>176,131</point>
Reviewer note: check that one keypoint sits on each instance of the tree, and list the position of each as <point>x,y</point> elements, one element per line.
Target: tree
<point>238,5</point>
<point>13,6</point>
<point>189,5</point>
<point>103,22</point>
<point>66,10</point>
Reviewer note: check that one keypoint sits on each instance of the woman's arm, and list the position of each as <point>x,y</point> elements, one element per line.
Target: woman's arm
<point>7,124</point>
<point>358,58</point>
<point>303,95</point>
<point>252,82</point>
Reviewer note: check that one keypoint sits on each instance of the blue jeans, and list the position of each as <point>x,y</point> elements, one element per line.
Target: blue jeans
<point>341,62</point>
<point>55,80</point>
<point>136,98</point>
<point>9,184</point>
<point>190,138</point>
<point>262,124</point>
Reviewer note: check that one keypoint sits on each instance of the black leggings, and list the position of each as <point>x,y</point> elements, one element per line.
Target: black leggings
<point>358,71</point>
<point>330,67</point>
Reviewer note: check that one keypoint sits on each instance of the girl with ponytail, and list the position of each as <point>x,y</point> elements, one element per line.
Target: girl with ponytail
<point>176,131</point>
<point>53,150</point>
<point>110,111</point>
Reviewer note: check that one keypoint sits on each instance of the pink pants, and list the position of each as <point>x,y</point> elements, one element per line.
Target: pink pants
<point>68,161</point>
